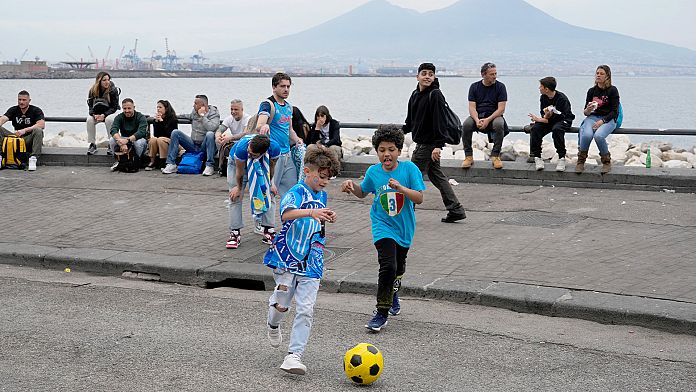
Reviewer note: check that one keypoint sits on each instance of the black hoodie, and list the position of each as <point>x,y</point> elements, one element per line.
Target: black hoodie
<point>424,115</point>
<point>114,106</point>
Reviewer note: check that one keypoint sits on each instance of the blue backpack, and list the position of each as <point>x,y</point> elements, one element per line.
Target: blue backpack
<point>191,163</point>
<point>619,117</point>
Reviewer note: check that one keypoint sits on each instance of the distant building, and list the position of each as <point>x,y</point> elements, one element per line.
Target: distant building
<point>24,66</point>
<point>397,71</point>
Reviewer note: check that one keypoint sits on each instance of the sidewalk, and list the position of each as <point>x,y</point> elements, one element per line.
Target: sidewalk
<point>613,256</point>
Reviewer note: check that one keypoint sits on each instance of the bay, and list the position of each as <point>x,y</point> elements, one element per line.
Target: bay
<point>647,102</point>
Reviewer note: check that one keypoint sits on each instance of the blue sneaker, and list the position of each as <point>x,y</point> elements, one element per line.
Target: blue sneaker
<point>396,305</point>
<point>378,322</point>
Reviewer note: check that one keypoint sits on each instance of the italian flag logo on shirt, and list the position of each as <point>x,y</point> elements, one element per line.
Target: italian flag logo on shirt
<point>392,202</point>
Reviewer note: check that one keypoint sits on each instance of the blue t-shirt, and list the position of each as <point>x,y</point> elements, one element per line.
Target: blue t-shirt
<point>299,247</point>
<point>487,97</point>
<point>279,124</point>
<point>393,214</point>
<point>240,150</point>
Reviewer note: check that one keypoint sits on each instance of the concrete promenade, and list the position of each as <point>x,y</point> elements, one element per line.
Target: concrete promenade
<point>621,256</point>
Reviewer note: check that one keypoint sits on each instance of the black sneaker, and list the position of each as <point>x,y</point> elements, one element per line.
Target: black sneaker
<point>378,322</point>
<point>108,151</point>
<point>453,217</point>
<point>396,305</point>
<point>92,149</point>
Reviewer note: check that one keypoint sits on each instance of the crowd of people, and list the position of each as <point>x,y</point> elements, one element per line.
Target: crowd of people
<point>259,151</point>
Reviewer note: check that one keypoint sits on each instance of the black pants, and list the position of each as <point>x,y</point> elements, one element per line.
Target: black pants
<point>392,265</point>
<point>422,157</point>
<point>539,130</point>
<point>496,130</point>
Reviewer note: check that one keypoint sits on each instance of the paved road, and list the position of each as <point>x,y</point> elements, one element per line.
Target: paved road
<point>72,331</point>
<point>630,245</point>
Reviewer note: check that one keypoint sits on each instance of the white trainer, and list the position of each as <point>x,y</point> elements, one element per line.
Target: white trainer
<point>32,163</point>
<point>274,336</point>
<point>169,169</point>
<point>560,166</point>
<point>538,163</point>
<point>209,171</point>
<point>293,365</point>
<point>114,166</point>
<point>258,229</point>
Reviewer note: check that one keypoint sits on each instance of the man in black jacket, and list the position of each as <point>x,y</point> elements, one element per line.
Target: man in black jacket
<point>424,120</point>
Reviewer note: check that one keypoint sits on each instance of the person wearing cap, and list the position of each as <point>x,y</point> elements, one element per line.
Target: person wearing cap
<point>426,124</point>
<point>487,100</point>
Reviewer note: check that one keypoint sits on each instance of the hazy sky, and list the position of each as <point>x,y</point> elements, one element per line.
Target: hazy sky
<point>52,29</point>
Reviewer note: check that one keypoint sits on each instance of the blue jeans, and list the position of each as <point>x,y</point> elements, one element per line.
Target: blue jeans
<point>586,134</point>
<point>305,291</point>
<point>236,223</point>
<point>285,174</point>
<point>140,146</point>
<point>180,138</point>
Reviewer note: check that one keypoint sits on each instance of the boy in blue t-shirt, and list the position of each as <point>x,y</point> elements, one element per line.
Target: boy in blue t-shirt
<point>297,254</point>
<point>397,186</point>
<point>251,161</point>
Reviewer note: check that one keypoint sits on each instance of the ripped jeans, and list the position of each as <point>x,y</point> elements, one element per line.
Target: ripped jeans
<point>304,290</point>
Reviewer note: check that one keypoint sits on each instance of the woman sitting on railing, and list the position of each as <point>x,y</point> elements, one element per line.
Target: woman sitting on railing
<point>102,101</point>
<point>165,122</point>
<point>326,131</point>
<point>601,109</point>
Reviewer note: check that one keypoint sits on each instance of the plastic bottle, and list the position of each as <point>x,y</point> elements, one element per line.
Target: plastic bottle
<point>648,160</point>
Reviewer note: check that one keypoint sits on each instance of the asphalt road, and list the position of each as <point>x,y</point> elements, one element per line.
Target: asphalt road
<point>72,331</point>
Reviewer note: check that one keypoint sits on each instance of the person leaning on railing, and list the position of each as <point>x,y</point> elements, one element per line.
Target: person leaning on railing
<point>164,123</point>
<point>102,101</point>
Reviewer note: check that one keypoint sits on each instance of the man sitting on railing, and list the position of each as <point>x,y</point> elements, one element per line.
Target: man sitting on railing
<point>28,122</point>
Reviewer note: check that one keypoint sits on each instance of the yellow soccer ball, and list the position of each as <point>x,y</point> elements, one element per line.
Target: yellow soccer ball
<point>363,363</point>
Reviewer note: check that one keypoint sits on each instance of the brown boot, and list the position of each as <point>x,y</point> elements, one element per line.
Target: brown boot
<point>497,163</point>
<point>606,162</point>
<point>582,157</point>
<point>468,162</point>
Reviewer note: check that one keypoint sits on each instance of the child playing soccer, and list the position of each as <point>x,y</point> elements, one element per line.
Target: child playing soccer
<point>297,254</point>
<point>397,185</point>
<point>252,160</point>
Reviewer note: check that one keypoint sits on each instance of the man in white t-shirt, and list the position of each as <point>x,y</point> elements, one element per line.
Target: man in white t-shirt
<point>231,130</point>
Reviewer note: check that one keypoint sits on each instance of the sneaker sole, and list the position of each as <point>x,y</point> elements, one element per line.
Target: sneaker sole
<point>376,329</point>
<point>298,371</point>
<point>394,313</point>
<point>232,246</point>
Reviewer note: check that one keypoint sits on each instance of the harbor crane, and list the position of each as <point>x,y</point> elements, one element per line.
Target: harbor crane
<point>23,54</point>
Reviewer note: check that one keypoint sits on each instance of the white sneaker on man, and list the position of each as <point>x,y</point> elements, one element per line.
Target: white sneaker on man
<point>114,166</point>
<point>169,169</point>
<point>274,336</point>
<point>538,163</point>
<point>209,171</point>
<point>292,364</point>
<point>32,163</point>
<point>560,166</point>
<point>258,229</point>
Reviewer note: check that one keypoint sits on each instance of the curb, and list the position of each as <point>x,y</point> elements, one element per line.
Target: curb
<point>605,308</point>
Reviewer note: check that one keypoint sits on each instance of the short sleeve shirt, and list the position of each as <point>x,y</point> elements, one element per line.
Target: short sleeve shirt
<point>280,123</point>
<point>240,150</point>
<point>24,120</point>
<point>299,247</point>
<point>487,97</point>
<point>235,127</point>
<point>393,214</point>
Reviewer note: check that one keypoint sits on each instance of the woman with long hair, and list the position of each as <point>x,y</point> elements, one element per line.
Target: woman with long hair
<point>165,122</point>
<point>326,131</point>
<point>602,110</point>
<point>102,101</point>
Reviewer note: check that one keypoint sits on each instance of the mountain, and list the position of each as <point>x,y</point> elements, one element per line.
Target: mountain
<point>463,35</point>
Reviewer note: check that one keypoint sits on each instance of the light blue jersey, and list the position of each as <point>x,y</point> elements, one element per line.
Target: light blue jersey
<point>393,214</point>
<point>240,150</point>
<point>279,124</point>
<point>299,247</point>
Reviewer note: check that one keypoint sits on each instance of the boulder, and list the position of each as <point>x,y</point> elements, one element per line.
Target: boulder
<point>507,156</point>
<point>447,153</point>
<point>363,146</point>
<point>479,155</point>
<point>521,148</point>
<point>655,160</point>
<point>459,154</point>
<point>672,155</point>
<point>634,161</point>
<point>547,150</point>
<point>479,140</point>
<point>615,140</point>
<point>677,164</point>
<point>408,139</point>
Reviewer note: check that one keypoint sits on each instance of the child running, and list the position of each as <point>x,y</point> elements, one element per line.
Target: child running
<point>297,254</point>
<point>397,185</point>
<point>252,160</point>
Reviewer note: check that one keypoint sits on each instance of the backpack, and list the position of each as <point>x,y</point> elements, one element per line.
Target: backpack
<point>619,117</point>
<point>191,163</point>
<point>451,123</point>
<point>253,120</point>
<point>224,155</point>
<point>128,162</point>
<point>14,153</point>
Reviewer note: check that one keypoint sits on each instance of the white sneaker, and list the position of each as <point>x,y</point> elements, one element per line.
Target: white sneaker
<point>169,169</point>
<point>32,163</point>
<point>274,336</point>
<point>538,163</point>
<point>258,229</point>
<point>209,171</point>
<point>292,364</point>
<point>560,166</point>
<point>114,166</point>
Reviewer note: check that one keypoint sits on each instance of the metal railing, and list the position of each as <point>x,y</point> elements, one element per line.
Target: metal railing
<point>517,129</point>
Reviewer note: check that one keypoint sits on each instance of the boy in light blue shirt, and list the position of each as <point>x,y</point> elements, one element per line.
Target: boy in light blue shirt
<point>397,186</point>
<point>297,254</point>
